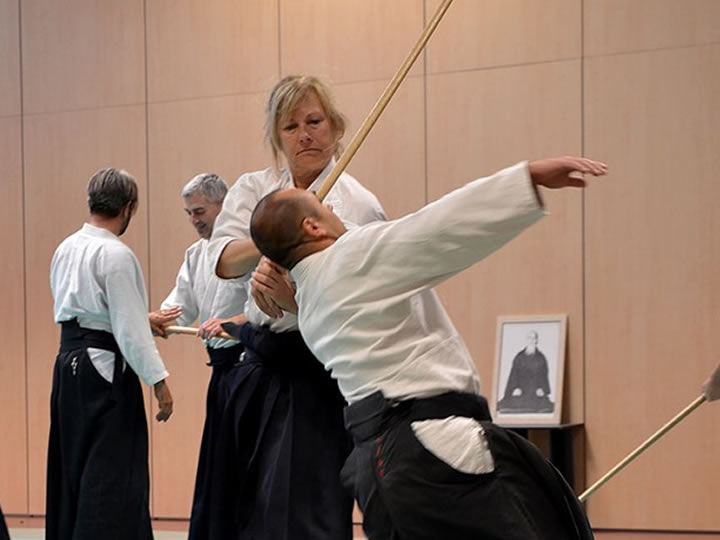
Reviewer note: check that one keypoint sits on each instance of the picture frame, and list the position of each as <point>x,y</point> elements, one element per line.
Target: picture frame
<point>529,370</point>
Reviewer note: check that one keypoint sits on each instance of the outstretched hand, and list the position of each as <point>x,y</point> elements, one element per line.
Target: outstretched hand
<point>564,171</point>
<point>711,388</point>
<point>161,319</point>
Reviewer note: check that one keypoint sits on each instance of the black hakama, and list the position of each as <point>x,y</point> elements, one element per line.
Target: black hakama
<point>406,492</point>
<point>98,480</point>
<point>4,533</point>
<point>224,363</point>
<point>285,446</point>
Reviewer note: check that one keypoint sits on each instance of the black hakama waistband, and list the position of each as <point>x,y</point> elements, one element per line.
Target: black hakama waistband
<point>225,356</point>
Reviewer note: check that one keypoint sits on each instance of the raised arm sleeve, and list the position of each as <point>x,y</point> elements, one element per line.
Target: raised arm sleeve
<point>445,237</point>
<point>233,221</point>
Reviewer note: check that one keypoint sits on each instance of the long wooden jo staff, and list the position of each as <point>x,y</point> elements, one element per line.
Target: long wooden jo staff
<point>385,98</point>
<point>190,331</point>
<point>644,446</point>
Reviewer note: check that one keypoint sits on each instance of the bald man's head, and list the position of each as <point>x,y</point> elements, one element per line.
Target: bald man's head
<point>289,224</point>
<point>275,225</point>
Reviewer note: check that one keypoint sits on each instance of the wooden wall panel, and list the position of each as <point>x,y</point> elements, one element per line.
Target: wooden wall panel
<point>652,285</point>
<point>613,26</point>
<point>62,151</point>
<point>348,41</point>
<point>222,135</point>
<point>9,58</point>
<point>479,122</point>
<point>13,451</point>
<point>483,33</point>
<point>82,53</point>
<point>391,161</point>
<point>639,283</point>
<point>198,48</point>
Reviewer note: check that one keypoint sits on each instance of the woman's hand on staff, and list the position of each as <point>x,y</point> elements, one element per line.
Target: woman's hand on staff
<point>213,327</point>
<point>210,328</point>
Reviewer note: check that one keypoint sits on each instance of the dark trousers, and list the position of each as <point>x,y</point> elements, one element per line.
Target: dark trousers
<point>97,478</point>
<point>4,534</point>
<point>407,493</point>
<point>284,448</point>
<point>224,363</point>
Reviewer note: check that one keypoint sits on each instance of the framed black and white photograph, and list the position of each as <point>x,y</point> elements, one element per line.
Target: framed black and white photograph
<point>529,368</point>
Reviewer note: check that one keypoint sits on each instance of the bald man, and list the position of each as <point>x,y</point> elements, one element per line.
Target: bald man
<point>428,461</point>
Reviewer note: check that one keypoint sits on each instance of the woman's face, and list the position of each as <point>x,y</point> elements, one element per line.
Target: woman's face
<point>307,138</point>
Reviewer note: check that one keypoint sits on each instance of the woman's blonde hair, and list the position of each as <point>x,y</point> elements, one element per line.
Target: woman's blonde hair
<point>285,96</point>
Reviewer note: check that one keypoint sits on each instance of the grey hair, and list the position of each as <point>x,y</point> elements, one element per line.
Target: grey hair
<point>286,95</point>
<point>210,185</point>
<point>110,190</point>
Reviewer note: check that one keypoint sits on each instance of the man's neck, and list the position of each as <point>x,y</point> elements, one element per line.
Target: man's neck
<point>310,247</point>
<point>114,225</point>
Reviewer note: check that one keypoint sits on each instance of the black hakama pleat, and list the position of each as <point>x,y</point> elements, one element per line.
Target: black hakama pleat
<point>98,479</point>
<point>4,533</point>
<point>283,444</point>
<point>224,379</point>
<point>406,492</point>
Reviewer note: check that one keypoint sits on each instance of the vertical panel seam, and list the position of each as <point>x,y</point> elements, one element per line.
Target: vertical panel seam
<point>24,256</point>
<point>149,240</point>
<point>279,38</point>
<point>425,110</point>
<point>583,235</point>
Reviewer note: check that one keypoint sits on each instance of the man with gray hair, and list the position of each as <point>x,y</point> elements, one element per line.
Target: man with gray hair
<point>97,476</point>
<point>200,295</point>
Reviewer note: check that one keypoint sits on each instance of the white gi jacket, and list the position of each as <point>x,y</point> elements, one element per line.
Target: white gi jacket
<point>367,311</point>
<point>351,201</point>
<point>203,295</point>
<point>97,279</point>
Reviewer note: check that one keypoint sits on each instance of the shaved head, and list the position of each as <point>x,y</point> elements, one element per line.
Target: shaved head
<point>276,224</point>
<point>289,224</point>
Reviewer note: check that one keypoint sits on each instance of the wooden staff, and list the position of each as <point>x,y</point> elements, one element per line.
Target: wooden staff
<point>192,331</point>
<point>644,446</point>
<point>385,98</point>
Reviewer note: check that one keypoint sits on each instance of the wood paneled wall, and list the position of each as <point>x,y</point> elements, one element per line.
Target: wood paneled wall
<point>171,88</point>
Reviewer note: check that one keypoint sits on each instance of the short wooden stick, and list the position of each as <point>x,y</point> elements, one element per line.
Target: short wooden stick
<point>192,331</point>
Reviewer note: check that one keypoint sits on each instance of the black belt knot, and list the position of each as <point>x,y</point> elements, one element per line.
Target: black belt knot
<point>225,356</point>
<point>73,337</point>
<point>283,351</point>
